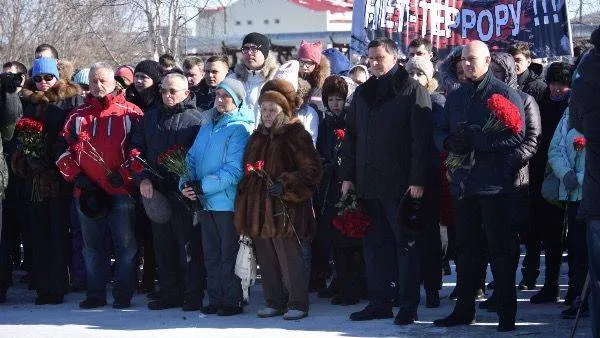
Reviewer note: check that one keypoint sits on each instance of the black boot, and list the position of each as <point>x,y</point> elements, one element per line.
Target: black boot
<point>455,319</point>
<point>381,310</point>
<point>453,294</point>
<point>163,304</point>
<point>548,294</point>
<point>403,318</point>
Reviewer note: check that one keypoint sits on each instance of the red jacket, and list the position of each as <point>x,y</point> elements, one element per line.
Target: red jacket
<point>108,122</point>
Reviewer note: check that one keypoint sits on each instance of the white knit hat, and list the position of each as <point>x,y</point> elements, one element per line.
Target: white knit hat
<point>289,72</point>
<point>423,64</point>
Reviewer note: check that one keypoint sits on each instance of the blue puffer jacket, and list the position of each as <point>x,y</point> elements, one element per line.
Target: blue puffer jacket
<point>215,158</point>
<point>563,158</point>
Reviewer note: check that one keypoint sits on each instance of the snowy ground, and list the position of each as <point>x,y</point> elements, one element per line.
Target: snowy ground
<point>19,317</point>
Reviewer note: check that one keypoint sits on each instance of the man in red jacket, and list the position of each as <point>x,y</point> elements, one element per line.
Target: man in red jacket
<point>97,133</point>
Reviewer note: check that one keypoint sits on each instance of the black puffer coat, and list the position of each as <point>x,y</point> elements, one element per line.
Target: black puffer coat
<point>160,129</point>
<point>532,81</point>
<point>585,103</point>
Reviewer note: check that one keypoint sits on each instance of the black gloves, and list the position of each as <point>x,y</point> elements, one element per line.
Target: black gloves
<point>84,183</point>
<point>276,190</point>
<point>570,180</point>
<point>464,139</point>
<point>115,180</point>
<point>455,143</point>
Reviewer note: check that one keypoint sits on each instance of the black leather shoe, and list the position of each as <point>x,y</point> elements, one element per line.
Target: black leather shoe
<point>403,318</point>
<point>191,305</point>
<point>371,312</point>
<point>454,320</point>
<point>506,326</point>
<point>432,299</point>
<point>92,303</point>
<point>209,310</point>
<point>545,295</point>
<point>154,295</point>
<point>329,291</point>
<point>526,285</point>
<point>163,304</point>
<point>121,303</point>
<point>229,311</point>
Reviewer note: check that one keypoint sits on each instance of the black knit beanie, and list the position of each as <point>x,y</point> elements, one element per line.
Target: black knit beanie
<point>559,72</point>
<point>150,68</point>
<point>263,43</point>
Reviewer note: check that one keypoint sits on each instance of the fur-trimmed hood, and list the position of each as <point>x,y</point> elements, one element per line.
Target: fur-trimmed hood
<point>267,71</point>
<point>447,69</point>
<point>61,91</point>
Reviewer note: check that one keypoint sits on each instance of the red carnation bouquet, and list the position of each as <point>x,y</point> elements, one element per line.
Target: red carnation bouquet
<point>504,116</point>
<point>174,160</point>
<point>83,146</point>
<point>32,137</point>
<point>579,143</point>
<point>351,220</point>
<point>257,168</point>
<point>137,163</point>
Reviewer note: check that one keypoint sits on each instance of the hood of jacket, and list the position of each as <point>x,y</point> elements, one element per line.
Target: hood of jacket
<point>447,69</point>
<point>267,71</point>
<point>243,114</point>
<point>507,63</point>
<point>340,65</point>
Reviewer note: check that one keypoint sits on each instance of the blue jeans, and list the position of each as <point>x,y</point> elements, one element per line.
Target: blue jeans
<point>593,241</point>
<point>120,221</point>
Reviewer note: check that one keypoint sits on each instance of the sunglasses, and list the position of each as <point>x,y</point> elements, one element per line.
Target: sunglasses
<point>250,49</point>
<point>45,77</point>
<point>171,91</point>
<point>307,63</point>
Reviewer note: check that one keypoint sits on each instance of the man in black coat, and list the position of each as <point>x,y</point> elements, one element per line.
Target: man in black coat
<point>585,106</point>
<point>387,145</point>
<point>482,186</point>
<point>530,79</point>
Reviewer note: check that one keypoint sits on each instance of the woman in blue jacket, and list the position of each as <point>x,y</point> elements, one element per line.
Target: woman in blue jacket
<point>215,166</point>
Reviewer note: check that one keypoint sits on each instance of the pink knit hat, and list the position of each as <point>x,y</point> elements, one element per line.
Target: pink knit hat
<point>311,51</point>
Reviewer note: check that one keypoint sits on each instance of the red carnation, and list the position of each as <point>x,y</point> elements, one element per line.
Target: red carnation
<point>579,143</point>
<point>505,114</point>
<point>133,153</point>
<point>259,165</point>
<point>84,136</point>
<point>249,168</point>
<point>340,134</point>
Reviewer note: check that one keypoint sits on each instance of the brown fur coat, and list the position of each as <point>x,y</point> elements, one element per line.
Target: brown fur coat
<point>291,158</point>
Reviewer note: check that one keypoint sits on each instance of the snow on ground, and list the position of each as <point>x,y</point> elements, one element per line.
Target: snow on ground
<point>20,318</point>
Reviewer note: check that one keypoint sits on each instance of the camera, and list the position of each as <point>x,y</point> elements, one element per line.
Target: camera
<point>9,82</point>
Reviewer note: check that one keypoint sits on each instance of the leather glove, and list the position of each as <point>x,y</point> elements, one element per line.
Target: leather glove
<point>115,180</point>
<point>570,181</point>
<point>455,143</point>
<point>83,182</point>
<point>471,135</point>
<point>276,190</point>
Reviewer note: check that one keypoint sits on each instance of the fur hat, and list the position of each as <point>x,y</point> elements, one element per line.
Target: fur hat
<point>421,63</point>
<point>158,208</point>
<point>45,66</point>
<point>310,51</point>
<point>282,93</point>
<point>234,88</point>
<point>259,40</point>
<point>559,72</point>
<point>334,85</point>
<point>289,72</point>
<point>150,68</point>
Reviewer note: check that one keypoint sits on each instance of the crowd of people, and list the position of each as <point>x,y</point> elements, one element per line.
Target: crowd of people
<point>164,168</point>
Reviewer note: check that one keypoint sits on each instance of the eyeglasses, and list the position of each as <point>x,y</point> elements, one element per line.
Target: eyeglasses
<point>250,49</point>
<point>307,63</point>
<point>45,77</point>
<point>171,91</point>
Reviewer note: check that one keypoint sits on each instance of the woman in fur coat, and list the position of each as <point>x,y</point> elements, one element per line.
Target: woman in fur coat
<point>52,99</point>
<point>278,214</point>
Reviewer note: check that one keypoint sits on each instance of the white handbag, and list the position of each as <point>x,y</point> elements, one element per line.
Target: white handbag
<point>245,264</point>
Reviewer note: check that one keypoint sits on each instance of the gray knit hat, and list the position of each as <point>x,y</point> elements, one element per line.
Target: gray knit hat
<point>234,88</point>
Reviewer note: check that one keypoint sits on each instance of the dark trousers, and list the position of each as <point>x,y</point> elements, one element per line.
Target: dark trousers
<point>49,229</point>
<point>220,243</point>
<point>489,215</point>
<point>285,278</point>
<point>391,259</point>
<point>178,250</point>
<point>77,265</point>
<point>144,238</point>
<point>546,231</point>
<point>350,268</point>
<point>430,243</point>
<point>5,266</point>
<point>593,244</point>
<point>119,223</point>
<point>578,250</point>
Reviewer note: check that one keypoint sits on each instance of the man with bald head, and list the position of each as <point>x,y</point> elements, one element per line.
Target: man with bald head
<point>105,120</point>
<point>481,186</point>
<point>175,122</point>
